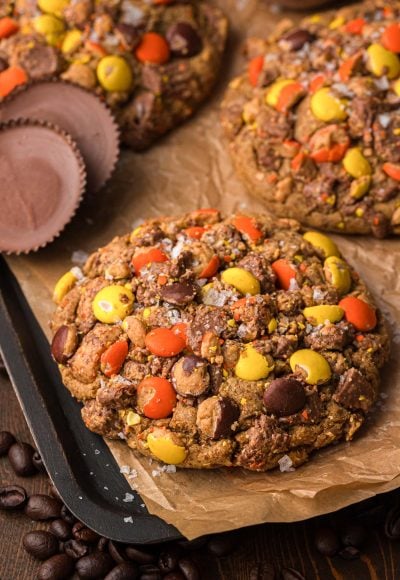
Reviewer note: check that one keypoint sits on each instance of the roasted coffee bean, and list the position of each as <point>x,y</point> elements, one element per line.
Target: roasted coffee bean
<point>12,497</point>
<point>291,574</point>
<point>284,396</point>
<point>117,552</point>
<point>221,544</point>
<point>20,456</point>
<point>61,529</point>
<point>138,555</point>
<point>183,39</point>
<point>326,541</point>
<point>150,572</point>
<point>43,507</point>
<point>189,569</point>
<point>64,343</point>
<point>353,534</point>
<point>40,544</point>
<point>102,545</point>
<point>38,463</point>
<point>76,549</point>
<point>296,39</point>
<point>392,524</point>
<point>193,545</point>
<point>84,534</point>
<point>174,576</point>
<point>349,553</point>
<point>6,440</point>
<point>67,516</point>
<point>262,571</point>
<point>58,567</point>
<point>168,560</point>
<point>179,293</point>
<point>124,571</point>
<point>94,566</point>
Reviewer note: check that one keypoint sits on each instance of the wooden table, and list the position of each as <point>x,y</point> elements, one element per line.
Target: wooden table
<point>280,545</point>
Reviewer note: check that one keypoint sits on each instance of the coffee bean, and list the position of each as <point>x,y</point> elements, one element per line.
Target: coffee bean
<point>94,566</point>
<point>20,456</point>
<point>102,545</point>
<point>392,523</point>
<point>38,463</point>
<point>174,576</point>
<point>6,440</point>
<point>43,507</point>
<point>291,574</point>
<point>58,567</point>
<point>168,560</point>
<point>326,541</point>
<point>64,343</point>
<point>284,396</point>
<point>353,534</point>
<point>84,534</point>
<point>61,529</point>
<point>149,572</point>
<point>296,39</point>
<point>138,555</point>
<point>349,553</point>
<point>195,544</point>
<point>124,571</point>
<point>189,569</point>
<point>12,497</point>
<point>262,571</point>
<point>76,549</point>
<point>179,293</point>
<point>40,544</point>
<point>117,552</point>
<point>67,516</point>
<point>183,39</point>
<point>221,544</point>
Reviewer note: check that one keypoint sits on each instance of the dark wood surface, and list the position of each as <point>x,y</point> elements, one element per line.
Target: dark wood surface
<point>276,545</point>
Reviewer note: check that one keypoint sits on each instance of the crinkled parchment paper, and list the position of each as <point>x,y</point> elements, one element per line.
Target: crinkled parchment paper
<point>190,169</point>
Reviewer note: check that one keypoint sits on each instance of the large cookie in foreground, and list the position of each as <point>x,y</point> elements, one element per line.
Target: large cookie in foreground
<point>153,62</point>
<point>208,342</point>
<point>314,124</point>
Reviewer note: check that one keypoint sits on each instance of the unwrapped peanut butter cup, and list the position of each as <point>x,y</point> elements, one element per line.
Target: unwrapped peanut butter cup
<point>43,178</point>
<point>78,112</point>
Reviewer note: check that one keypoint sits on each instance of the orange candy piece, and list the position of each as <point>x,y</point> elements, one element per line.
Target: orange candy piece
<point>11,78</point>
<point>297,162</point>
<point>195,232</point>
<point>211,268</point>
<point>392,170</point>
<point>153,49</point>
<point>254,69</point>
<point>8,26</point>
<point>113,358</point>
<point>164,342</point>
<point>347,67</point>
<point>159,396</point>
<point>240,303</point>
<point>332,154</point>
<point>317,83</point>
<point>359,313</point>
<point>180,329</point>
<point>148,257</point>
<point>284,271</point>
<point>246,225</point>
<point>355,26</point>
<point>288,96</point>
<point>391,37</point>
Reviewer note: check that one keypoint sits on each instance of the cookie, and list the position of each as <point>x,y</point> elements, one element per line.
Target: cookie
<point>152,62</point>
<point>313,124</point>
<point>207,342</point>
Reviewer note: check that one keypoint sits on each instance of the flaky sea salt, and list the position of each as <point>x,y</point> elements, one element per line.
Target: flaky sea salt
<point>293,285</point>
<point>79,257</point>
<point>384,120</point>
<point>129,497</point>
<point>285,464</point>
<point>128,520</point>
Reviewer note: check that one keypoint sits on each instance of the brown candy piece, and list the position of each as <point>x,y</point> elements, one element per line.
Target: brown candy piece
<point>64,343</point>
<point>183,39</point>
<point>216,415</point>
<point>297,38</point>
<point>190,376</point>
<point>179,293</point>
<point>284,396</point>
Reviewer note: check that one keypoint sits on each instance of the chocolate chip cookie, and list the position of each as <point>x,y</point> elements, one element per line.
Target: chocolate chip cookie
<point>153,62</point>
<point>313,124</point>
<point>207,342</point>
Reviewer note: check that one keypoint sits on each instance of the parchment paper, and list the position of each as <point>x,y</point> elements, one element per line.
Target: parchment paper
<point>189,169</point>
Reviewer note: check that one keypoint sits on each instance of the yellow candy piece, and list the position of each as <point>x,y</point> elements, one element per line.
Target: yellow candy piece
<point>50,26</point>
<point>242,280</point>
<point>315,366</point>
<point>252,366</point>
<point>272,325</point>
<point>337,23</point>
<point>55,7</point>
<point>135,233</point>
<point>326,107</point>
<point>360,187</point>
<point>324,312</point>
<point>322,242</point>
<point>383,62</point>
<point>275,90</point>
<point>63,286</point>
<point>114,73</point>
<point>338,274</point>
<point>71,41</point>
<point>112,304</point>
<point>162,446</point>
<point>356,164</point>
<point>132,418</point>
<point>396,88</point>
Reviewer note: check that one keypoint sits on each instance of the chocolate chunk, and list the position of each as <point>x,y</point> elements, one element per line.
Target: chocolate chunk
<point>179,293</point>
<point>284,396</point>
<point>40,544</point>
<point>215,417</point>
<point>298,38</point>
<point>39,60</point>
<point>64,343</point>
<point>129,35</point>
<point>183,39</point>
<point>190,376</point>
<point>355,391</point>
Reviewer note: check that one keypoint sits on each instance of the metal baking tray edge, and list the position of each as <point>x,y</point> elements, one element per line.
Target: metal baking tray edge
<point>78,461</point>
